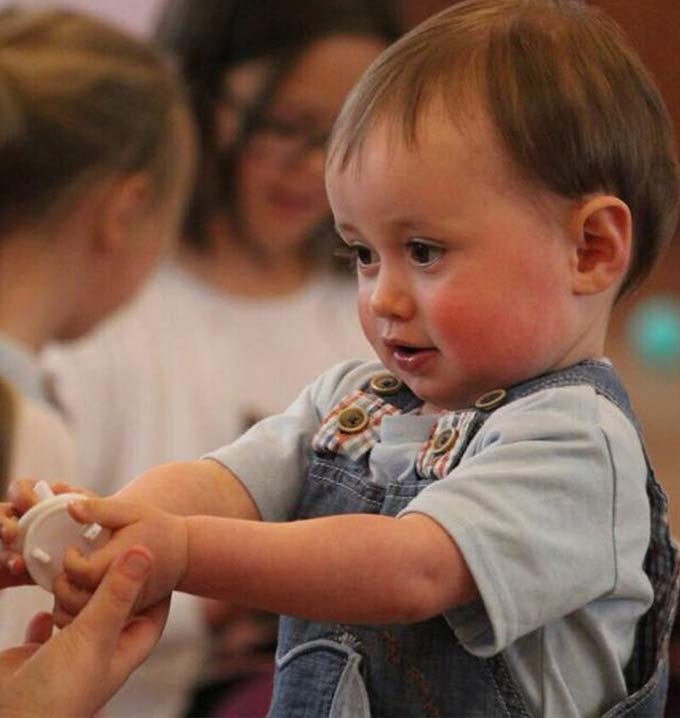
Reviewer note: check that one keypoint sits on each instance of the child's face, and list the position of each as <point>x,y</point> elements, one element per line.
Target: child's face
<point>464,271</point>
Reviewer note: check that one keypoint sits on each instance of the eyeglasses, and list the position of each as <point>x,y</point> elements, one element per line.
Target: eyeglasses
<point>284,141</point>
<point>274,138</point>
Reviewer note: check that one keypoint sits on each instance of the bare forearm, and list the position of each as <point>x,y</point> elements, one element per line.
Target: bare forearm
<point>355,568</point>
<point>190,488</point>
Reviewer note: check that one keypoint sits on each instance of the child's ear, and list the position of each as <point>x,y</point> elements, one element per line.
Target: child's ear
<point>601,234</point>
<point>124,203</point>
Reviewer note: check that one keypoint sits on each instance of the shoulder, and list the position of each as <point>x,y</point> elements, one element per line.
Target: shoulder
<point>339,381</point>
<point>577,418</point>
<point>570,408</point>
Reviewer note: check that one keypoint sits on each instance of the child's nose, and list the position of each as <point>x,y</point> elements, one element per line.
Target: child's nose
<point>390,297</point>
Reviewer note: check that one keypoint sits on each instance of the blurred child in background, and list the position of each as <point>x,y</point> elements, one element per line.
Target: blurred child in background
<point>90,197</point>
<point>254,278</point>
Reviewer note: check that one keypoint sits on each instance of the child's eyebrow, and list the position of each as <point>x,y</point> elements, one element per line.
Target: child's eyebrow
<point>406,223</point>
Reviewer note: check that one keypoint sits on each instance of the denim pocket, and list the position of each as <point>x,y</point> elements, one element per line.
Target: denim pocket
<point>319,679</point>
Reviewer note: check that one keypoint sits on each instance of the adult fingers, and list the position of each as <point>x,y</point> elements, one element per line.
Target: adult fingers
<point>104,617</point>
<point>11,659</point>
<point>13,570</point>
<point>21,494</point>
<point>139,638</point>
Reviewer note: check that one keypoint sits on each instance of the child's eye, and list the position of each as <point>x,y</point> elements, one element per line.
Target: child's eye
<point>422,253</point>
<point>359,254</point>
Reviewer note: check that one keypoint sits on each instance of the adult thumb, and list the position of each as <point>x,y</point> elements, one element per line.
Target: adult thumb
<point>108,610</point>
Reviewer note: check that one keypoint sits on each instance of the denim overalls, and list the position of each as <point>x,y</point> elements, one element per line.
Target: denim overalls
<point>418,670</point>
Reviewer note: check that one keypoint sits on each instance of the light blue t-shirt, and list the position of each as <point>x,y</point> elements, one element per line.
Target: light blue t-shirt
<point>548,506</point>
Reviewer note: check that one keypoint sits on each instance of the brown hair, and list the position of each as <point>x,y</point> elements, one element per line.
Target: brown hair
<point>79,99</point>
<point>572,104</point>
<point>211,37</point>
<point>7,428</point>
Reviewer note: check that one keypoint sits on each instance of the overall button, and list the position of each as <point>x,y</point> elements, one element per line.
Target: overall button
<point>385,384</point>
<point>352,420</point>
<point>444,440</point>
<point>491,399</point>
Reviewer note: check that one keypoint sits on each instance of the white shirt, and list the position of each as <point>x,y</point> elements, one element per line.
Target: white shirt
<point>184,370</point>
<point>42,448</point>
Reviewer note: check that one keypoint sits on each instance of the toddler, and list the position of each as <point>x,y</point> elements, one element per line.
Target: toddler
<point>469,527</point>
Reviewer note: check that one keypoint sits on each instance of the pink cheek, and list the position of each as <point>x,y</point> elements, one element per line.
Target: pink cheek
<point>472,336</point>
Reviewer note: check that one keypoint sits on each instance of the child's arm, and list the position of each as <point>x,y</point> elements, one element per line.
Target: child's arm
<point>355,568</point>
<point>351,568</point>
<point>193,487</point>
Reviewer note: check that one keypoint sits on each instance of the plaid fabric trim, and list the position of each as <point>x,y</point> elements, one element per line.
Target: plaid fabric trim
<point>330,437</point>
<point>661,565</point>
<point>433,463</point>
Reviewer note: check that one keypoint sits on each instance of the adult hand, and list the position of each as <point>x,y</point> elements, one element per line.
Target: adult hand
<point>76,671</point>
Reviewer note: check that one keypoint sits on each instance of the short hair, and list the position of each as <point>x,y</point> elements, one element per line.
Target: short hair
<point>79,100</point>
<point>574,107</point>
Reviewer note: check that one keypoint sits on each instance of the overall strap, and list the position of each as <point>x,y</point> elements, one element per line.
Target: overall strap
<point>661,560</point>
<point>392,390</point>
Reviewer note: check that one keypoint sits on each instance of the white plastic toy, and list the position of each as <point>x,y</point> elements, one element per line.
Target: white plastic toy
<point>47,530</point>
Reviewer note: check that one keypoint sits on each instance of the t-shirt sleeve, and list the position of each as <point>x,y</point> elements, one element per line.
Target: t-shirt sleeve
<point>532,507</point>
<point>271,458</point>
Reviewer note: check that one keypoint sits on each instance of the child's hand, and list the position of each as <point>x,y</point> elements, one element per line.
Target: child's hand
<point>164,534</point>
<point>22,497</point>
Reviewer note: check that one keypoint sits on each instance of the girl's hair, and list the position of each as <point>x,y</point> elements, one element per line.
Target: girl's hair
<point>211,36</point>
<point>7,430</point>
<point>572,104</point>
<point>79,100</point>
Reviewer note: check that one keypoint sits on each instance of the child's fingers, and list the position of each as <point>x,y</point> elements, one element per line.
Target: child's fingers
<point>85,572</point>
<point>61,487</point>
<point>111,513</point>
<point>60,616</point>
<point>39,629</point>
<point>70,597</point>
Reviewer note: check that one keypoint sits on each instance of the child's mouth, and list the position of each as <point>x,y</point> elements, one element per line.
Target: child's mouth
<point>406,351</point>
<point>410,358</point>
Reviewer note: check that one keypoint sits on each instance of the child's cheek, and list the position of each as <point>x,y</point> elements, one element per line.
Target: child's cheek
<point>482,338</point>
